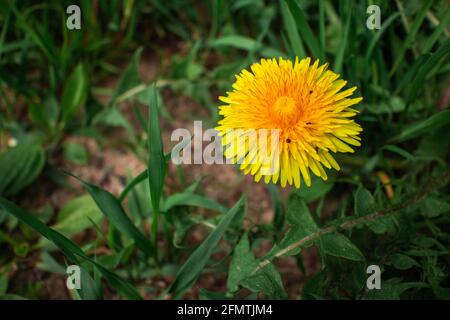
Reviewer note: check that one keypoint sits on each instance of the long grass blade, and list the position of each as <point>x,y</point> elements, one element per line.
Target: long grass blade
<point>192,268</point>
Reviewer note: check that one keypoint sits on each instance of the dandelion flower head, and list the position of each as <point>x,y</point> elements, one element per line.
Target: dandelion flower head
<point>305,103</point>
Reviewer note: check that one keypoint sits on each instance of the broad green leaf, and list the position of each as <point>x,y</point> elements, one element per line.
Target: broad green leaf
<point>194,200</point>
<point>3,283</point>
<point>139,202</point>
<point>113,117</point>
<point>314,287</point>
<point>402,262</point>
<point>365,205</point>
<point>70,249</point>
<point>89,289</point>
<point>277,204</point>
<point>49,264</point>
<point>76,153</point>
<point>391,105</point>
<point>432,207</point>
<point>266,280</point>
<point>338,245</point>
<point>76,215</point>
<point>236,41</point>
<point>45,113</point>
<point>192,268</point>
<point>392,289</point>
<point>113,211</point>
<point>19,167</point>
<point>74,94</point>
<point>301,223</point>
<point>317,189</point>
<point>156,162</point>
<point>364,202</point>
<point>423,126</point>
<point>242,265</point>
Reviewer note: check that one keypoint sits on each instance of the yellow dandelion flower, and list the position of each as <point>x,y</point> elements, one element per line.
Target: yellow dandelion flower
<point>301,102</point>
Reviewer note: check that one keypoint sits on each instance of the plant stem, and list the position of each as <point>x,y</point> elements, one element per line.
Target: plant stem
<point>154,235</point>
<point>433,185</point>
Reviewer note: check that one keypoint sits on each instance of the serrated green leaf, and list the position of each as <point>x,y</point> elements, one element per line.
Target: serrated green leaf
<point>266,280</point>
<point>364,202</point>
<point>301,223</point>
<point>338,245</point>
<point>365,205</point>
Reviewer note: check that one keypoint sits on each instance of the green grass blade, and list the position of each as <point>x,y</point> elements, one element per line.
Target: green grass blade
<point>113,211</point>
<point>425,69</point>
<point>130,78</point>
<point>322,32</point>
<point>135,181</point>
<point>192,268</point>
<point>305,31</point>
<point>337,67</point>
<point>235,41</point>
<point>70,249</point>
<point>195,200</point>
<point>37,38</point>
<point>291,30</point>
<point>411,35</point>
<point>378,35</point>
<point>156,163</point>
<point>413,70</point>
<point>416,129</point>
<point>144,174</point>
<point>437,32</point>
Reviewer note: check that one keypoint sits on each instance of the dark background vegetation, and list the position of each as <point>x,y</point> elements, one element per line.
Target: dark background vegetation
<point>82,101</point>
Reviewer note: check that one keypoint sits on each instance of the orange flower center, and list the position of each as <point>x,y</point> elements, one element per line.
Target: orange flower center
<point>285,111</point>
